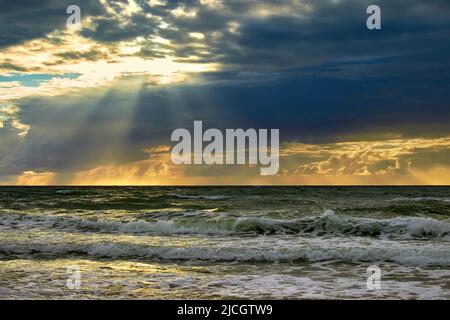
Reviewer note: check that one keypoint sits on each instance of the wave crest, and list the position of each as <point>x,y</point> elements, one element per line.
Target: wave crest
<point>220,224</point>
<point>427,255</point>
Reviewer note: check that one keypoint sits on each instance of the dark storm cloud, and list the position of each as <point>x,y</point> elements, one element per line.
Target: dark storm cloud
<point>9,142</point>
<point>77,131</point>
<point>335,32</point>
<point>115,125</point>
<point>295,37</point>
<point>22,20</point>
<point>318,76</point>
<point>110,30</point>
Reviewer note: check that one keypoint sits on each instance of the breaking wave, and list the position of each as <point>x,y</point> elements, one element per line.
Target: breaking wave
<point>402,199</point>
<point>202,197</point>
<point>427,255</point>
<point>220,224</point>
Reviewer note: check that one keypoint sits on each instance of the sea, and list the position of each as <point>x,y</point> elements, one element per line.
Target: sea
<point>225,242</point>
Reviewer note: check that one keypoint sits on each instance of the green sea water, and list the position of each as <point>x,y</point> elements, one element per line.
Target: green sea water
<point>224,242</point>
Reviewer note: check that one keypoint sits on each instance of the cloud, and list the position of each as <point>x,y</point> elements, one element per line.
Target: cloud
<point>114,122</point>
<point>31,178</point>
<point>275,34</point>
<point>24,20</point>
<point>370,158</point>
<point>93,101</point>
<point>396,161</point>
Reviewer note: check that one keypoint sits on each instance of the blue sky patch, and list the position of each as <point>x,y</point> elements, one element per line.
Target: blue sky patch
<point>35,79</point>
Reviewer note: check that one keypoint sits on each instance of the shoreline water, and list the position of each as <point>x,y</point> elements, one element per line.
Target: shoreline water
<point>225,242</point>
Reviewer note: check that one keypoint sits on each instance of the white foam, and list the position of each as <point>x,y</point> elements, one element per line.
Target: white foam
<point>221,224</point>
<point>245,251</point>
<point>204,197</point>
<point>443,199</point>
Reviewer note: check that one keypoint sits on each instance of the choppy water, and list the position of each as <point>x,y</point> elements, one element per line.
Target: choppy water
<point>225,242</point>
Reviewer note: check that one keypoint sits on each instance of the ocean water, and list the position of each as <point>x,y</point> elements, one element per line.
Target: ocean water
<point>224,242</point>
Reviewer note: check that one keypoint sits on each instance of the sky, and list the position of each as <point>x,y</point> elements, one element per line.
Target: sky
<point>96,105</point>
